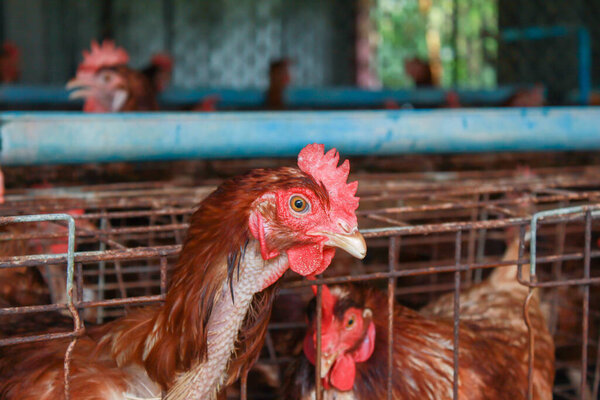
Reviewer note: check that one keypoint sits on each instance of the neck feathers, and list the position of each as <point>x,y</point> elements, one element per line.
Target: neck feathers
<point>216,255</point>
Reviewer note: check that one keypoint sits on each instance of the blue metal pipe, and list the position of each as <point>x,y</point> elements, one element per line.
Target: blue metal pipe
<point>50,138</point>
<point>254,98</point>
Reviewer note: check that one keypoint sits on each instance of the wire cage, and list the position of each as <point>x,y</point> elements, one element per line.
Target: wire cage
<point>427,233</point>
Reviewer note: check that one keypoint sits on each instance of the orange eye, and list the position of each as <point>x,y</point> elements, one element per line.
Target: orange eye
<point>299,204</point>
<point>350,322</point>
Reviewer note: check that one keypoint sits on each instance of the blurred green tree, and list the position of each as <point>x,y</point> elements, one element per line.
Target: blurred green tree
<point>467,56</point>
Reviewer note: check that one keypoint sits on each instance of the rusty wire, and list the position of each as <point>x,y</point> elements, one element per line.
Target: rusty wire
<point>138,231</point>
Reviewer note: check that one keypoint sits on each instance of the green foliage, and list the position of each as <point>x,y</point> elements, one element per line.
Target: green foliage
<point>401,30</point>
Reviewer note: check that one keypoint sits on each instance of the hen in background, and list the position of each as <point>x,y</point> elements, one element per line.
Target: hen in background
<point>107,84</point>
<point>159,71</point>
<point>493,344</point>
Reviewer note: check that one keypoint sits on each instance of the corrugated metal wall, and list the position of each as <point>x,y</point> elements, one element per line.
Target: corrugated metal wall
<point>226,43</point>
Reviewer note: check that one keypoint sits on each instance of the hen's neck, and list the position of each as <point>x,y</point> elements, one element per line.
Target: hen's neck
<point>204,379</point>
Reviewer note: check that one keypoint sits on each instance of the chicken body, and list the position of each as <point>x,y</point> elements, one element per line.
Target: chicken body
<point>279,80</point>
<point>493,347</point>
<point>210,329</point>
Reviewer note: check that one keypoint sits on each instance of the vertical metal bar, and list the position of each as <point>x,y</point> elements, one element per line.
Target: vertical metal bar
<point>394,247</point>
<point>120,281</point>
<point>79,285</point>
<point>163,275</point>
<point>481,239</point>
<point>457,257</point>
<point>471,246</point>
<point>521,253</point>
<point>586,302</point>
<point>272,353</point>
<point>146,275</point>
<point>177,232</point>
<point>434,277</point>
<point>559,245</point>
<point>530,331</point>
<point>318,394</point>
<point>102,269</point>
<point>76,321</point>
<point>244,386</point>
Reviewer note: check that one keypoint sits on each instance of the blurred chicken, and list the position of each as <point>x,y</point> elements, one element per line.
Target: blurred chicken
<point>279,80</point>
<point>10,72</point>
<point>27,286</point>
<point>529,97</point>
<point>21,286</point>
<point>10,58</point>
<point>108,85</point>
<point>420,72</point>
<point>159,71</point>
<point>493,352</point>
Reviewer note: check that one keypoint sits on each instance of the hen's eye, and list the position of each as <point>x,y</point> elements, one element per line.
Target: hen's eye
<point>350,322</point>
<point>299,204</point>
<point>106,78</point>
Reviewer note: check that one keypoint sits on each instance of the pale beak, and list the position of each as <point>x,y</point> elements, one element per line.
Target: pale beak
<point>83,88</point>
<point>326,363</point>
<point>353,243</point>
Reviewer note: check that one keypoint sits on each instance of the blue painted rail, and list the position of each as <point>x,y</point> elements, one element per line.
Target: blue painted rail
<point>46,138</point>
<point>343,97</point>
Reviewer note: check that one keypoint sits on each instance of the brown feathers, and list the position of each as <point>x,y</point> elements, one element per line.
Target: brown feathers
<point>493,346</point>
<point>144,352</point>
<point>141,95</point>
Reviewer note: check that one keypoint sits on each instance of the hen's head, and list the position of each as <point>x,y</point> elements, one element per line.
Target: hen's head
<point>347,335</point>
<point>303,214</point>
<point>99,78</point>
<point>309,214</point>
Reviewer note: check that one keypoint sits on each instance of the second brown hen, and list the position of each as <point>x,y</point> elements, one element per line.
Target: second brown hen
<point>493,345</point>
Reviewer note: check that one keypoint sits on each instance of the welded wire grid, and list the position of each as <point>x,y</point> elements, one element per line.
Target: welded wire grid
<point>427,234</point>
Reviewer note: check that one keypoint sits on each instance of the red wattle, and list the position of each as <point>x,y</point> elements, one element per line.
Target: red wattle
<point>310,259</point>
<point>367,346</point>
<point>306,259</point>
<point>328,254</point>
<point>342,373</point>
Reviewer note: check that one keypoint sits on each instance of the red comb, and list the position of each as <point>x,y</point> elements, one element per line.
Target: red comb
<point>104,55</point>
<point>323,167</point>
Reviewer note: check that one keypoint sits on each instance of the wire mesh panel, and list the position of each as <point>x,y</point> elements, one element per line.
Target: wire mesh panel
<point>429,236</point>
